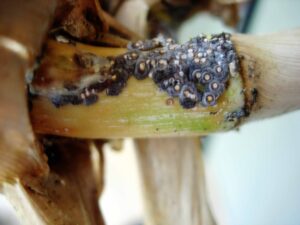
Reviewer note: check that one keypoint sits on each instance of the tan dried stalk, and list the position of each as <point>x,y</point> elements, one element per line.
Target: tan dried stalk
<point>173,181</point>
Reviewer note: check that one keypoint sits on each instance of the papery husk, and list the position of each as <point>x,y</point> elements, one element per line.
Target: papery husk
<point>173,181</point>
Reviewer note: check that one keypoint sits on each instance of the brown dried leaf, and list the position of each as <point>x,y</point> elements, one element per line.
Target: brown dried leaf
<point>69,195</point>
<point>79,18</point>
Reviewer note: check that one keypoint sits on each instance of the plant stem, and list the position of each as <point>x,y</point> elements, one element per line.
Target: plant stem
<point>140,110</point>
<point>268,86</point>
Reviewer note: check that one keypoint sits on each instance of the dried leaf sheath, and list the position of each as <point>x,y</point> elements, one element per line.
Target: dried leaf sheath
<point>20,41</point>
<point>19,154</point>
<point>140,110</point>
<point>271,67</point>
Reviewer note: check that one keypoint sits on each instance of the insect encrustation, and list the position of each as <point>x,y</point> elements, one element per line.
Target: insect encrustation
<point>197,72</point>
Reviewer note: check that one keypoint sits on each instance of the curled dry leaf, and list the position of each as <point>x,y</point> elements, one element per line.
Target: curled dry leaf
<point>80,19</point>
<point>87,21</point>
